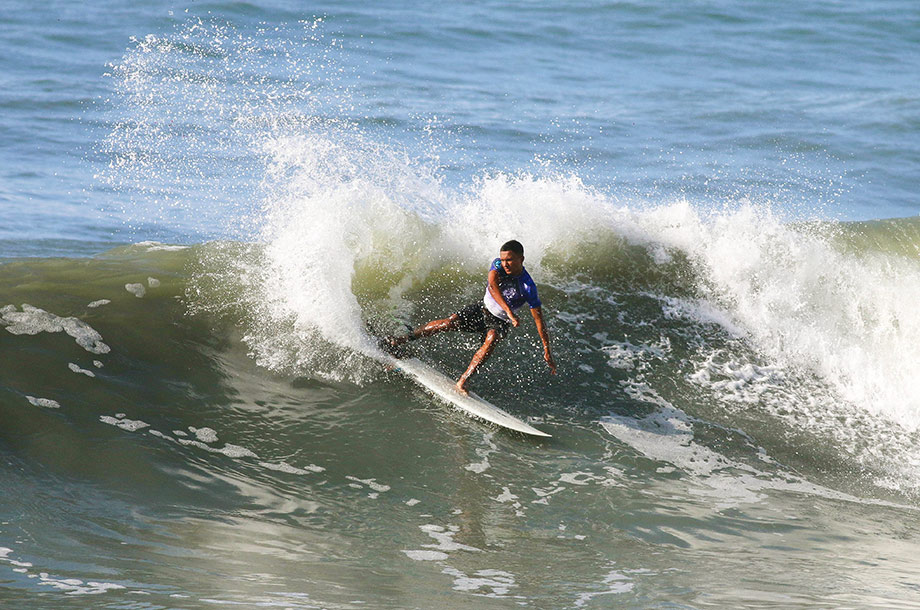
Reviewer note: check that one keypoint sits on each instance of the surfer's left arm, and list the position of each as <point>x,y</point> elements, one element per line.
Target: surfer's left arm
<point>544,337</point>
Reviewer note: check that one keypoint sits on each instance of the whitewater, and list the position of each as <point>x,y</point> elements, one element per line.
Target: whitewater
<point>207,207</point>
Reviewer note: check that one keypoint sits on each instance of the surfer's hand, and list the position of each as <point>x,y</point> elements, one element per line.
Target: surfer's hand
<point>514,320</point>
<point>550,362</point>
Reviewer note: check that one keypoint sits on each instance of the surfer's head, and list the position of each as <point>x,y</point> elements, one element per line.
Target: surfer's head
<point>511,256</point>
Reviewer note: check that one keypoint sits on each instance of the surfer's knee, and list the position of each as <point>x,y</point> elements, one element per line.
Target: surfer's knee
<point>492,337</point>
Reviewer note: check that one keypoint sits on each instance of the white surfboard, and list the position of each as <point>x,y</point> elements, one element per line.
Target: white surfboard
<point>443,387</point>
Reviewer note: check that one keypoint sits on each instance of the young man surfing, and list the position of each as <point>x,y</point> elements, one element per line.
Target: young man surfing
<point>508,288</point>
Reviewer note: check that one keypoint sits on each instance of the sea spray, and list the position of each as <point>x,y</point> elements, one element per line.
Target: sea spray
<point>545,212</point>
<point>336,206</point>
<point>192,108</point>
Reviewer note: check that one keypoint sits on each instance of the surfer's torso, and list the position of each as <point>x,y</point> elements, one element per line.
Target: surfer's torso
<point>516,290</point>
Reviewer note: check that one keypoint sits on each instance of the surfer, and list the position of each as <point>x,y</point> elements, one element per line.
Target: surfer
<point>508,288</point>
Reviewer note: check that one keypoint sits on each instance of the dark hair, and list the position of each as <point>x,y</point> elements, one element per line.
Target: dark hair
<point>513,246</point>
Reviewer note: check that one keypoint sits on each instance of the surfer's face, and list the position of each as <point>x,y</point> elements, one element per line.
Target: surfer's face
<point>512,263</point>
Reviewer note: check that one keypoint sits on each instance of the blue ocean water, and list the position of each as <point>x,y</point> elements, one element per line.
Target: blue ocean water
<point>206,205</point>
<point>811,107</point>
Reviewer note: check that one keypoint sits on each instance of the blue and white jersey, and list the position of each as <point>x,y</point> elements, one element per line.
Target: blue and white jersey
<point>517,290</point>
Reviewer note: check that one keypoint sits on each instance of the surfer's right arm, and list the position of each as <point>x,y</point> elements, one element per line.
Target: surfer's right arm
<point>544,337</point>
<point>496,293</point>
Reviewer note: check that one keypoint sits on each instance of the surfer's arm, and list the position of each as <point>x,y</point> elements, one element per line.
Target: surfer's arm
<point>544,337</point>
<point>496,293</point>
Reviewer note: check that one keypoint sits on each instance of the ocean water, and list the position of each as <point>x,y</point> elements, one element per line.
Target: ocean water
<point>205,205</point>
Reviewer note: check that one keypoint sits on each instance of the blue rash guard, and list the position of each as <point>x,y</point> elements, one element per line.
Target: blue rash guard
<point>517,290</point>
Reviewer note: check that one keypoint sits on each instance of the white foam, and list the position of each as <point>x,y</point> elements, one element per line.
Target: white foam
<point>74,586</point>
<point>484,453</point>
<point>330,207</point>
<point>47,403</point>
<point>801,301</point>
<point>235,451</point>
<point>741,381</point>
<point>131,425</point>
<point>137,290</point>
<point>666,435</point>
<point>70,586</point>
<point>153,282</point>
<point>32,321</point>
<point>98,303</point>
<point>371,483</point>
<point>805,303</point>
<point>444,537</point>
<point>205,435</point>
<point>76,369</point>
<point>478,467</point>
<point>696,310</point>
<point>287,468</point>
<point>624,355</point>
<point>230,450</point>
<point>508,497</point>
<point>544,495</point>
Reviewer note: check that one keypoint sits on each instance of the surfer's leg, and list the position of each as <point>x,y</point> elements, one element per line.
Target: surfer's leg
<point>469,319</point>
<point>482,354</point>
<point>436,326</point>
<point>433,327</point>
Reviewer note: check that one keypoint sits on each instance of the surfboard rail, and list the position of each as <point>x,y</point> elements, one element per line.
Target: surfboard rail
<point>443,387</point>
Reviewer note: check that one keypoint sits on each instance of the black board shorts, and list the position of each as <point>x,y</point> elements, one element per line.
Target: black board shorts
<point>475,318</point>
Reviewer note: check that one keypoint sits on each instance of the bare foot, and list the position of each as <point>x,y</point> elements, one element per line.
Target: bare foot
<point>391,345</point>
<point>459,387</point>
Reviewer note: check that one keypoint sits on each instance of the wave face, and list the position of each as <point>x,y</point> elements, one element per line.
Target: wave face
<point>206,403</point>
<point>737,317</point>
